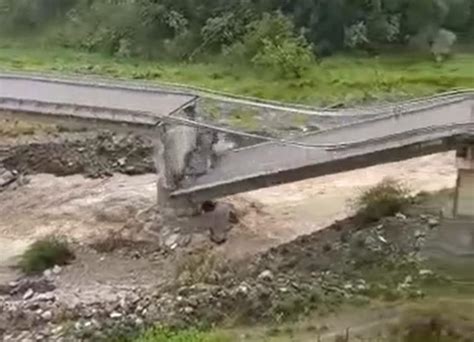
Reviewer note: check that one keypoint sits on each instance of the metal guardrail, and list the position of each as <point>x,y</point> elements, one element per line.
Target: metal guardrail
<point>435,134</point>
<point>178,88</point>
<point>456,128</point>
<point>98,83</point>
<point>150,120</point>
<point>65,110</point>
<point>195,90</point>
<point>440,97</point>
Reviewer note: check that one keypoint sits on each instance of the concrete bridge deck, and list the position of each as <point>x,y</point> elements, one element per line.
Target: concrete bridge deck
<point>57,99</point>
<point>396,132</point>
<point>386,138</point>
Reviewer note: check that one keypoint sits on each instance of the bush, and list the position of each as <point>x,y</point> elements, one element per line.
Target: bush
<point>204,266</point>
<point>273,28</point>
<point>272,43</point>
<point>44,254</point>
<point>384,199</point>
<point>443,43</point>
<point>111,242</point>
<point>290,57</point>
<point>31,15</point>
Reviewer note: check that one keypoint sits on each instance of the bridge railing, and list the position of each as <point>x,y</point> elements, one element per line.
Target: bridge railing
<point>150,120</point>
<point>83,112</point>
<point>178,88</point>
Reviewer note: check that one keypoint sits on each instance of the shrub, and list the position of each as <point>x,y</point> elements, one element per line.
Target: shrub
<point>273,28</point>
<point>111,242</point>
<point>44,254</point>
<point>271,42</point>
<point>204,266</point>
<point>289,57</point>
<point>384,199</point>
<point>443,43</point>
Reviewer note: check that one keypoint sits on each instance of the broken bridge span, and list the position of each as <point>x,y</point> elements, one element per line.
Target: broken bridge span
<point>193,170</point>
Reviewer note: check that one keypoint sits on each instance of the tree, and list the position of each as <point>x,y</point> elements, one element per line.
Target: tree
<point>273,43</point>
<point>184,28</point>
<point>288,57</point>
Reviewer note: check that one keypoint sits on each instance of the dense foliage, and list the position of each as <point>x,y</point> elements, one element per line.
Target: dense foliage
<point>279,34</point>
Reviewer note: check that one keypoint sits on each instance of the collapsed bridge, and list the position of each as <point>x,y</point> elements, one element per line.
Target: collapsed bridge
<point>193,166</point>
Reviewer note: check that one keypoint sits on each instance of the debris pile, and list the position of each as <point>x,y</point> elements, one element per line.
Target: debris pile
<point>97,156</point>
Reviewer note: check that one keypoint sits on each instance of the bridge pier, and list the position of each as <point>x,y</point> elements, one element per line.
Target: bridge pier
<point>453,243</point>
<point>464,194</point>
<point>182,154</point>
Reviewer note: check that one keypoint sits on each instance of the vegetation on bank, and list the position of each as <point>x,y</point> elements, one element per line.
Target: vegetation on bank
<point>270,33</point>
<point>160,334</point>
<point>337,80</point>
<point>321,52</point>
<point>387,198</point>
<point>45,254</point>
<point>438,321</point>
<point>273,49</point>
<point>447,320</point>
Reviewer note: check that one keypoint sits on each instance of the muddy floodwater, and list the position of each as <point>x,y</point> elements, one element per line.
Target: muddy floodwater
<point>79,207</point>
<point>9,251</point>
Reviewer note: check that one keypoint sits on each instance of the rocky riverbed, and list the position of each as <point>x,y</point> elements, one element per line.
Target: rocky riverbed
<point>349,262</point>
<point>124,279</point>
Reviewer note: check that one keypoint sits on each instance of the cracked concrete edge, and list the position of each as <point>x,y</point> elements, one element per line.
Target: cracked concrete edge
<point>182,154</point>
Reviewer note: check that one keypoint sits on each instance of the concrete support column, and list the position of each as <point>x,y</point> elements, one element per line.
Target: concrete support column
<point>464,196</point>
<point>452,243</point>
<point>182,154</point>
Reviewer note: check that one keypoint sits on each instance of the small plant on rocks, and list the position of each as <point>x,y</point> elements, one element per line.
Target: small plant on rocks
<point>44,254</point>
<point>387,198</point>
<point>111,242</point>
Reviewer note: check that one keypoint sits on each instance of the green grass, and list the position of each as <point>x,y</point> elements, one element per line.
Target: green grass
<point>416,322</point>
<point>244,119</point>
<point>44,254</point>
<point>336,80</point>
<point>160,334</point>
<point>13,128</point>
<point>438,321</point>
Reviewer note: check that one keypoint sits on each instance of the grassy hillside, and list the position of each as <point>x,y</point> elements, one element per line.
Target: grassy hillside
<point>337,80</point>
